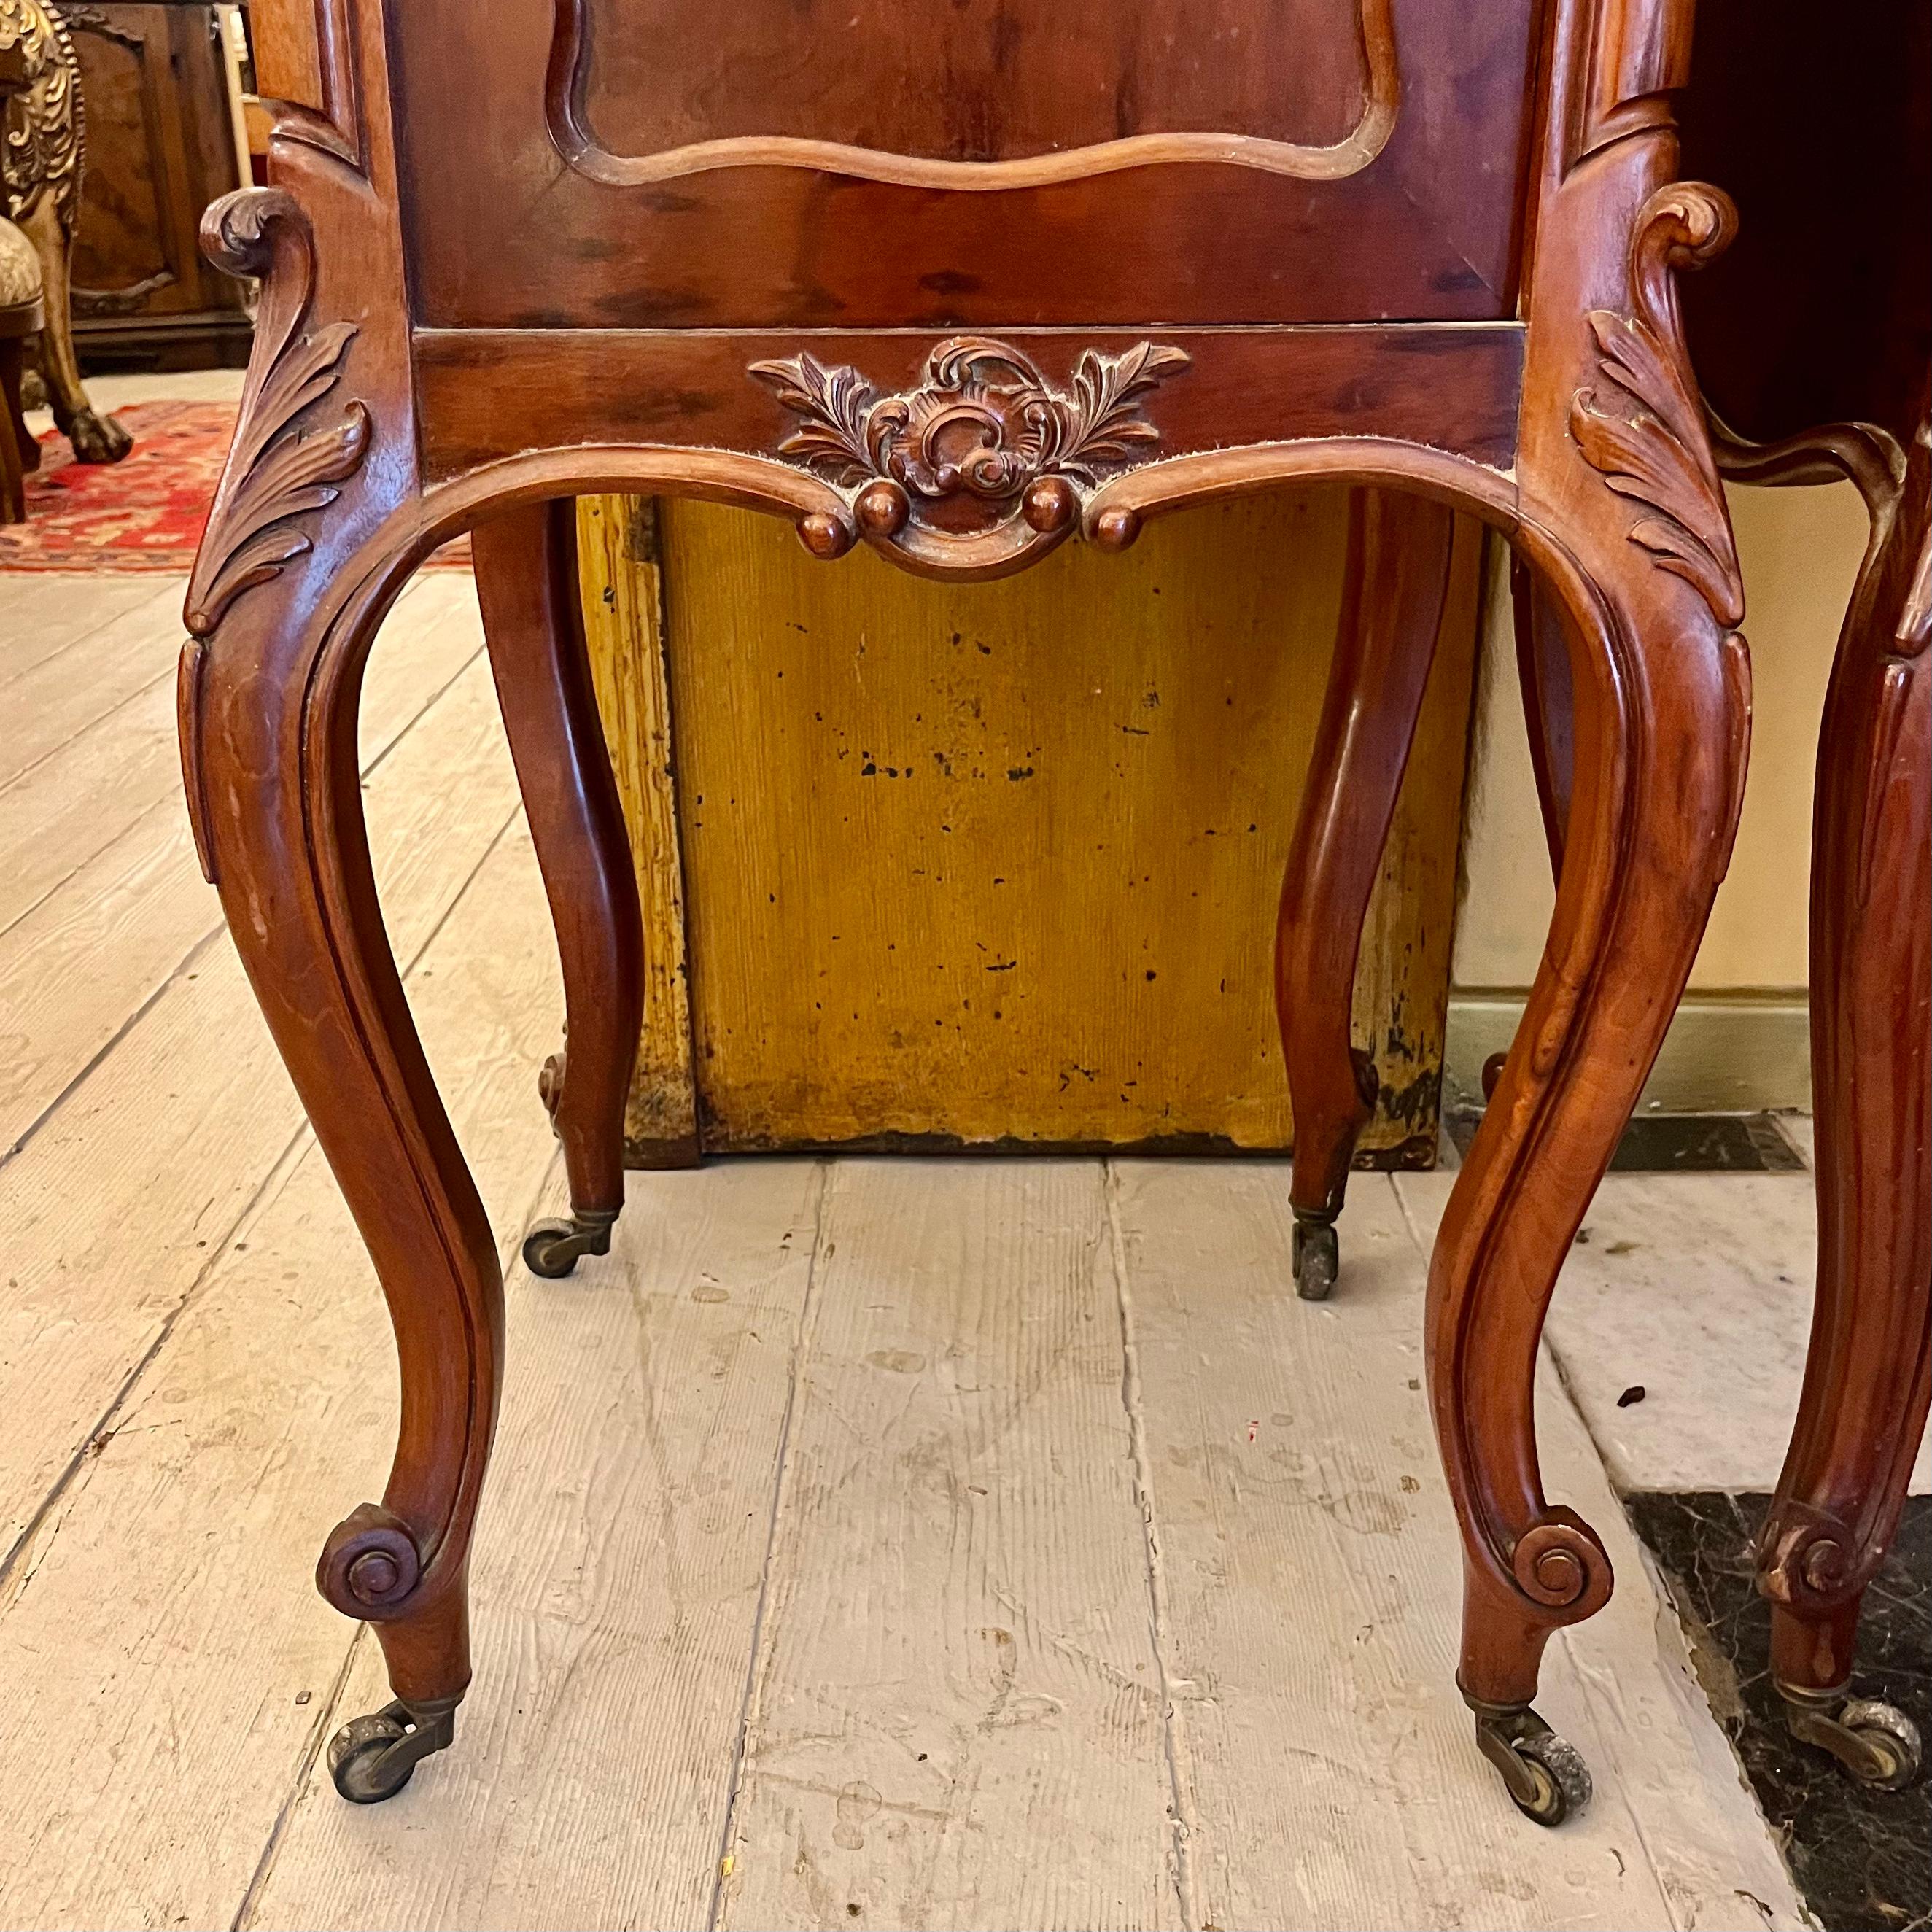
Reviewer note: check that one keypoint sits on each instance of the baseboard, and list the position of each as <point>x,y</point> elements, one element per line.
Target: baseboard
<point>1725,1052</point>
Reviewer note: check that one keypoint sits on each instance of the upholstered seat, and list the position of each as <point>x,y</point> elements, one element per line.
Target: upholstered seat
<point>21,309</point>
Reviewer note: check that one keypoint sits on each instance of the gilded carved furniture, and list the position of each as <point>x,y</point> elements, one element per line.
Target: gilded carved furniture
<point>1075,286</point>
<point>43,159</point>
<point>22,314</point>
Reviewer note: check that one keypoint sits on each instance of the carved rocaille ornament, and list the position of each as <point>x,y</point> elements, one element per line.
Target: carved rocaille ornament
<point>985,441</point>
<point>1644,429</point>
<point>288,458</point>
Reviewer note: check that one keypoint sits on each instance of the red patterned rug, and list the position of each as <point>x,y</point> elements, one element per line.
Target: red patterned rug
<point>145,513</point>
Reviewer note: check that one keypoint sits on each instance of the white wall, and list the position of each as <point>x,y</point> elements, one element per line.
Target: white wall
<point>1800,549</point>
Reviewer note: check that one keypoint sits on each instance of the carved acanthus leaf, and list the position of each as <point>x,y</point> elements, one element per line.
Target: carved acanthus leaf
<point>1644,429</point>
<point>835,403</point>
<point>286,461</point>
<point>1101,426</point>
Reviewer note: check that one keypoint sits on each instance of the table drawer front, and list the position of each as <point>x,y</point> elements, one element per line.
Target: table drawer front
<point>952,163</point>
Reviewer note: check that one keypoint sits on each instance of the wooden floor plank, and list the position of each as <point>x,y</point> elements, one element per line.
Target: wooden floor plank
<point>618,1573</point>
<point>1313,1574</point>
<point>76,969</point>
<point>956,1719</point>
<point>76,802</point>
<point>1655,1741</point>
<point>108,1212</point>
<point>64,695</point>
<point>165,1662</point>
<point>43,614</point>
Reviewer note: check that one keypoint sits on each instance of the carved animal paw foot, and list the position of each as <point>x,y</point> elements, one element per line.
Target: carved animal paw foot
<point>96,438</point>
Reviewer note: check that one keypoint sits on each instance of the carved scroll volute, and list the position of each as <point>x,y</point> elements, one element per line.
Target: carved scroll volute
<point>294,446</point>
<point>1643,425</point>
<point>984,465</point>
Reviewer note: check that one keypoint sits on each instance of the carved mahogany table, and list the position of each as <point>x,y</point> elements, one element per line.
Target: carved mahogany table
<point>964,283</point>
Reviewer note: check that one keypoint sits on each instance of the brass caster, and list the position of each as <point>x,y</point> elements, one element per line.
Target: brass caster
<point>1317,1255</point>
<point>552,1249</point>
<point>1877,1743</point>
<point>1546,1776</point>
<point>372,1758</point>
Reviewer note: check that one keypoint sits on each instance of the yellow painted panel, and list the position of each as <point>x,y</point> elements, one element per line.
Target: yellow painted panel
<point>1000,863</point>
<point>623,607</point>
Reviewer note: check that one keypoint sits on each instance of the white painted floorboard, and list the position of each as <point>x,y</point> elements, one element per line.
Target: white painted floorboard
<point>968,1543</point>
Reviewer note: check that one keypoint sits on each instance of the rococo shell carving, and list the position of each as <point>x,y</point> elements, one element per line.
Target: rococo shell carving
<point>983,432</point>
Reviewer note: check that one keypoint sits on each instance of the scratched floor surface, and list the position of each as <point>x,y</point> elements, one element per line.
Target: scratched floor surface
<point>868,1544</point>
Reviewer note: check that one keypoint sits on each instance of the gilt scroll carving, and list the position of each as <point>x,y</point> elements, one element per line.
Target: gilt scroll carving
<point>290,457</point>
<point>984,455</point>
<point>1644,429</point>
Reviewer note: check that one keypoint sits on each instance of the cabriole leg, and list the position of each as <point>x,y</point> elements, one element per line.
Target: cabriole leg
<point>1660,716</point>
<point>526,579</point>
<point>1869,1375</point>
<point>1623,522</point>
<point>1398,578</point>
<point>269,697</point>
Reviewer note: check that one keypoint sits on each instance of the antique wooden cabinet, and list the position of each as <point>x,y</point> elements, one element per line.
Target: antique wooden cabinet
<point>964,285</point>
<point>160,147</point>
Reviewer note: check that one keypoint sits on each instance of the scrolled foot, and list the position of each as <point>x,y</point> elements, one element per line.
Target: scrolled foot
<point>549,1084</point>
<point>1318,1257</point>
<point>372,1758</point>
<point>1545,1775</point>
<point>552,1249</point>
<point>96,438</point>
<point>1876,1742</point>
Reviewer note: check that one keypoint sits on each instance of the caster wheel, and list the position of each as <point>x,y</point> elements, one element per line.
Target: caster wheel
<point>1876,1742</point>
<point>1545,1775</point>
<point>1318,1259</point>
<point>372,1758</point>
<point>552,1249</point>
<point>1893,1752</point>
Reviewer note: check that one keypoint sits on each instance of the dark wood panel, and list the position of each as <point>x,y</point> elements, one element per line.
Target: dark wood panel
<point>1426,230</point>
<point>160,148</point>
<point>932,78</point>
<point>484,394</point>
<point>1848,337</point>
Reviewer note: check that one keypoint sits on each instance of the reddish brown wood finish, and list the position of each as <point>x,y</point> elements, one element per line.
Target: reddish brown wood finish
<point>1849,336</point>
<point>1421,222</point>
<point>533,616</point>
<point>1392,601</point>
<point>1868,1380</point>
<point>1568,420</point>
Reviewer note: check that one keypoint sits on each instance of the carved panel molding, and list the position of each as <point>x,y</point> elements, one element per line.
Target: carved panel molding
<point>305,64</point>
<point>573,50</point>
